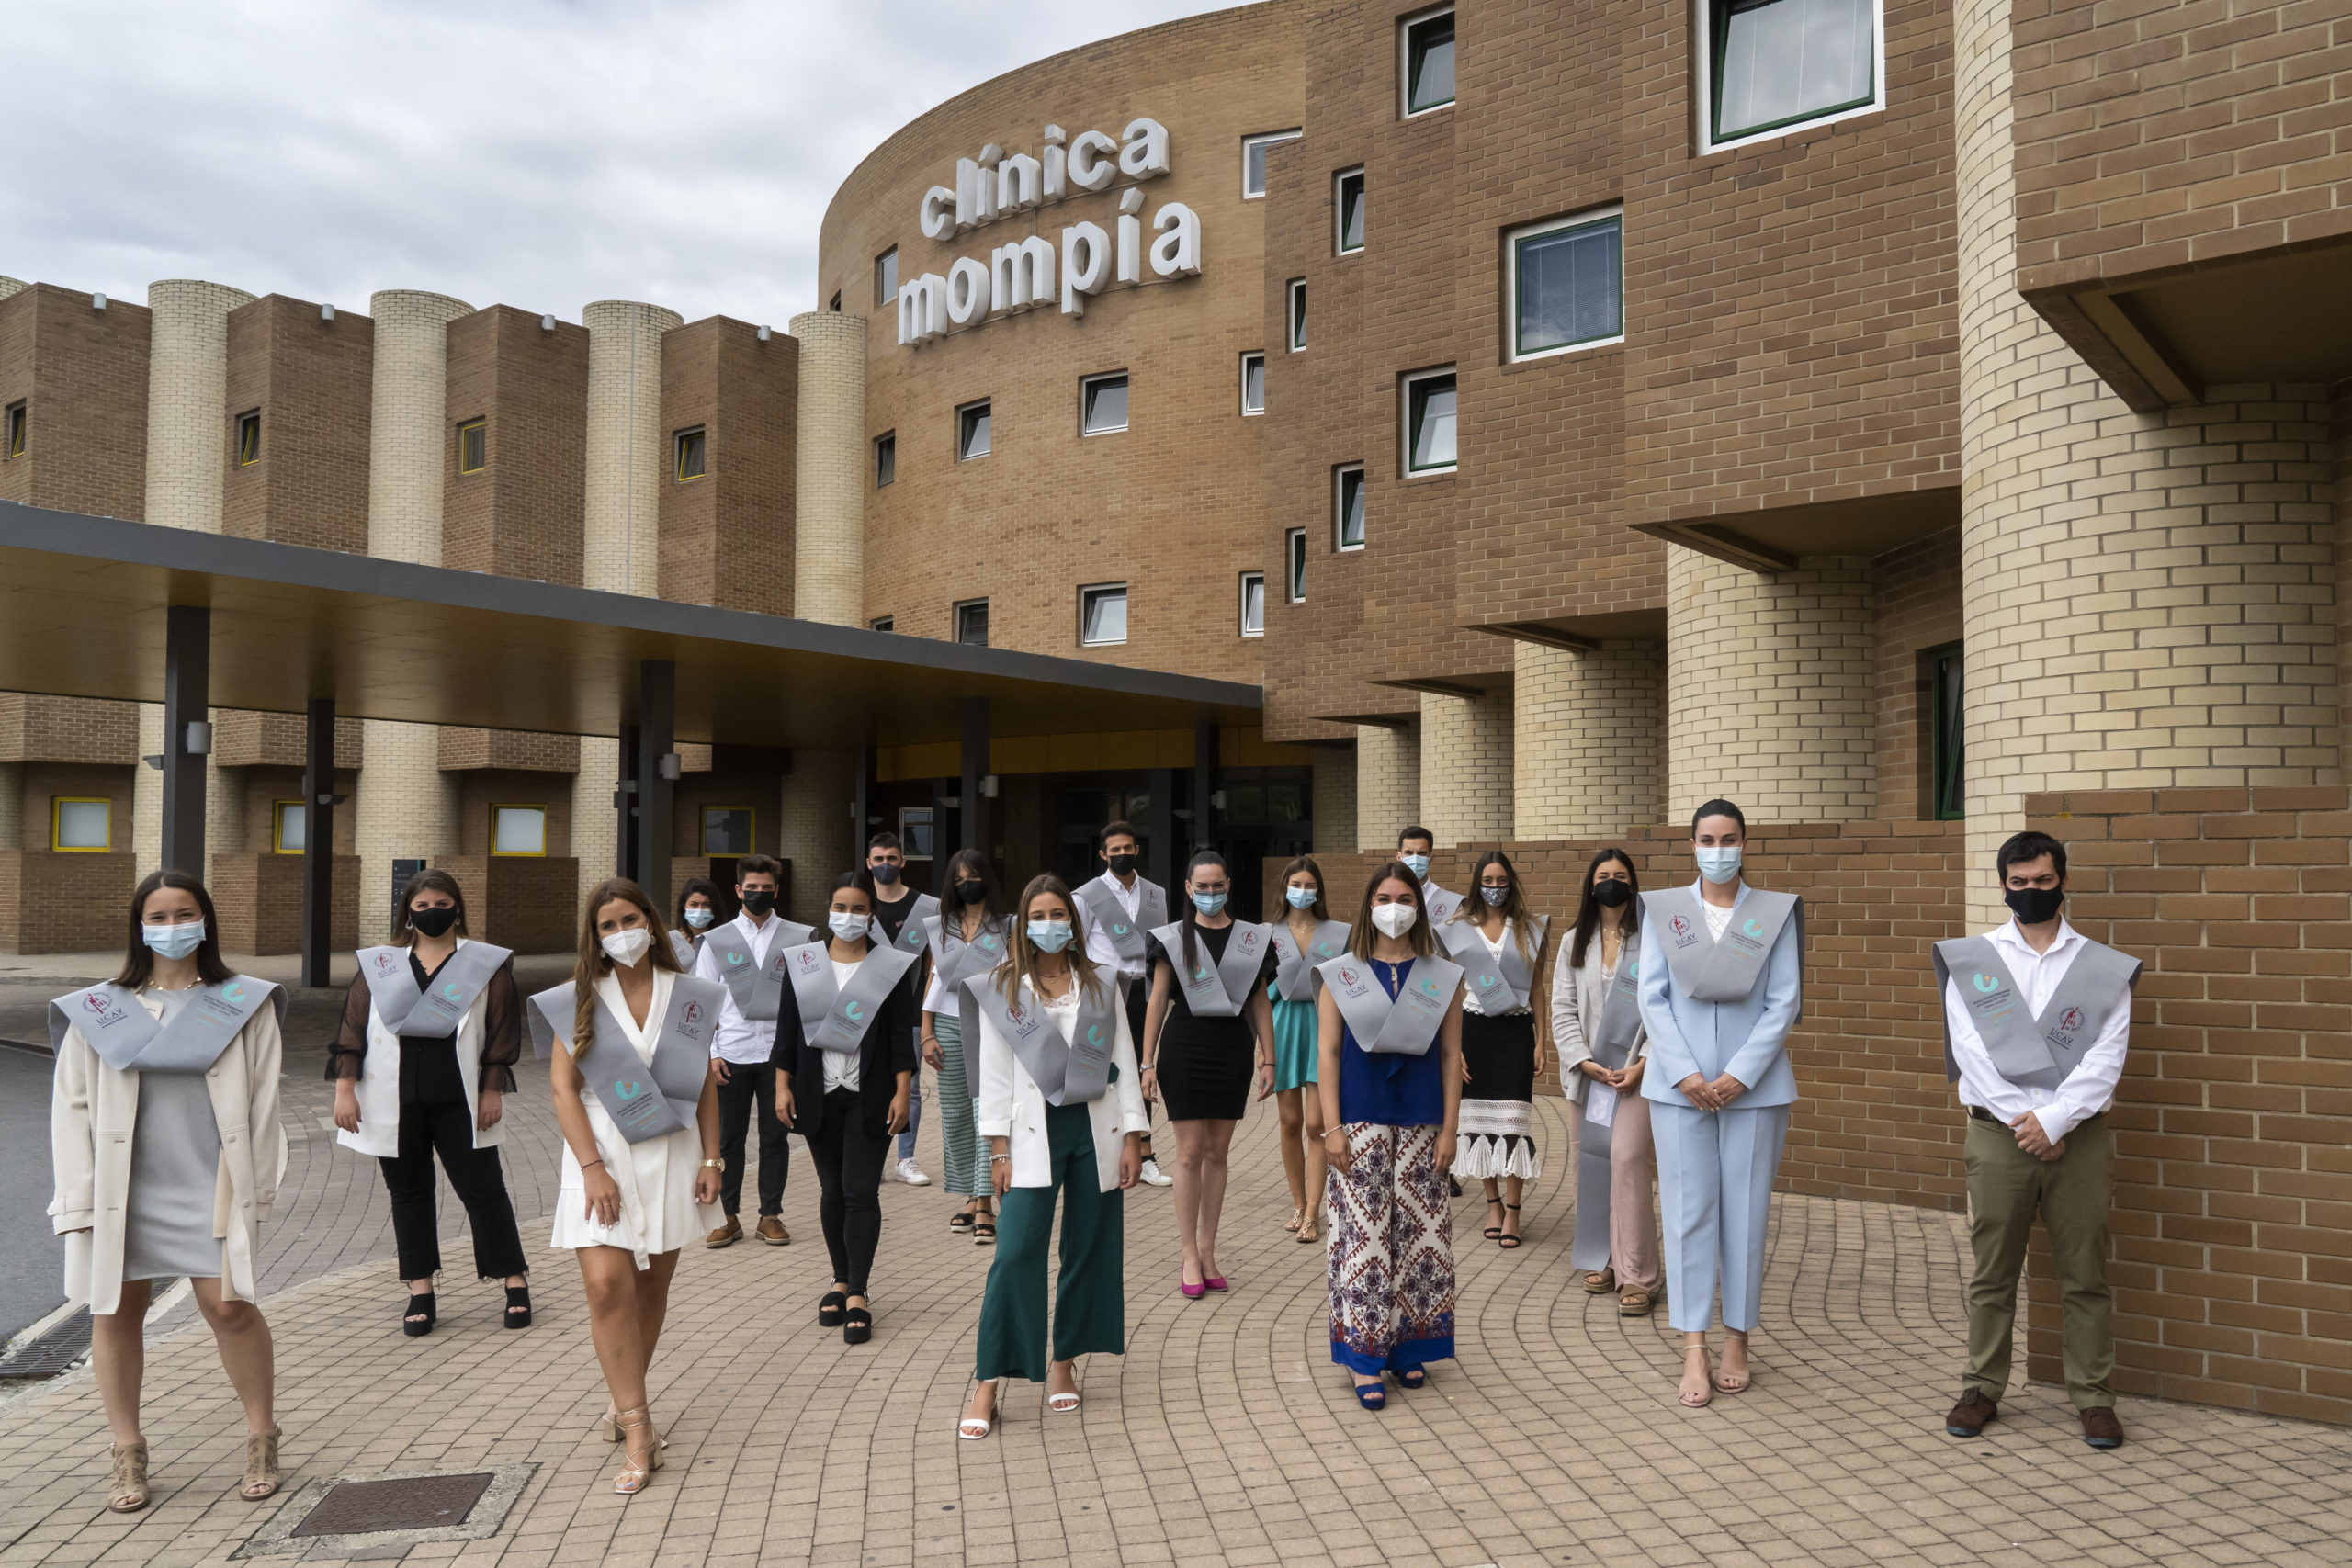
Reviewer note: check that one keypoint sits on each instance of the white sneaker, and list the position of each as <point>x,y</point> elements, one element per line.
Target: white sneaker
<point>911,1174</point>
<point>1151,1175</point>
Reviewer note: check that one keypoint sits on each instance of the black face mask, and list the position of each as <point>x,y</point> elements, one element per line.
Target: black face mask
<point>970,890</point>
<point>1612,894</point>
<point>2034,905</point>
<point>433,922</point>
<point>1123,865</point>
<point>760,900</point>
<point>884,874</point>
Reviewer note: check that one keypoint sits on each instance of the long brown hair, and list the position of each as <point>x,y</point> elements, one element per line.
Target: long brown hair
<point>1320,909</point>
<point>431,879</point>
<point>1365,933</point>
<point>1514,905</point>
<point>139,959</point>
<point>1629,924</point>
<point>592,964</point>
<point>1021,954</point>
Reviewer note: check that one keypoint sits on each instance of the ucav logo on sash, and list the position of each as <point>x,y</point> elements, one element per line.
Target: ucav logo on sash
<point>2070,1021</point>
<point>1986,983</point>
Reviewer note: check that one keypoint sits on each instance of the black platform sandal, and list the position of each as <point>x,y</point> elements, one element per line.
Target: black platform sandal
<point>518,1306</point>
<point>830,1307</point>
<point>1508,1239</point>
<point>858,1328</point>
<point>415,1325</point>
<point>1412,1377</point>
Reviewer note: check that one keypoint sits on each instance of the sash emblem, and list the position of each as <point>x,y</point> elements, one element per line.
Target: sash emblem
<point>1324,950</point>
<point>692,1012</point>
<point>987,941</point>
<point>96,1002</point>
<point>1118,929</point>
<point>2070,1021</point>
<point>233,992</point>
<point>910,938</point>
<point>1430,986</point>
<point>1095,1034</point>
<point>1634,970</point>
<point>1986,983</point>
<point>733,956</point>
<point>383,963</point>
<point>1486,980</point>
<point>1349,977</point>
<point>1200,972</point>
<point>452,990</point>
<point>1752,928</point>
<point>850,1011</point>
<point>1679,925</point>
<point>1013,1011</point>
<point>628,1089</point>
<point>807,962</point>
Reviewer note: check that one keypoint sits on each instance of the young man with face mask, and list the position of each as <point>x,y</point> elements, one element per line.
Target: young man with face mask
<point>739,955</point>
<point>1413,847</point>
<point>901,912</point>
<point>2037,1018</point>
<point>1119,907</point>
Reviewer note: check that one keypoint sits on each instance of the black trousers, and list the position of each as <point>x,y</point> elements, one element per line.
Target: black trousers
<point>746,1087</point>
<point>849,1176</point>
<point>474,1174</point>
<point>1138,1000</point>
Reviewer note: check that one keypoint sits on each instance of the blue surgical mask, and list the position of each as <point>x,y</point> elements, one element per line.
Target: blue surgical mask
<point>1208,903</point>
<point>1493,895</point>
<point>849,928</point>
<point>1049,936</point>
<point>1417,864</point>
<point>1719,865</point>
<point>1300,897</point>
<point>698,919</point>
<point>172,942</point>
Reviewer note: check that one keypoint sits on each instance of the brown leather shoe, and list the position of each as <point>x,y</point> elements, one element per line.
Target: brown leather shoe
<point>1635,1301</point>
<point>2100,1428</point>
<point>1968,1416</point>
<point>726,1235</point>
<point>772,1231</point>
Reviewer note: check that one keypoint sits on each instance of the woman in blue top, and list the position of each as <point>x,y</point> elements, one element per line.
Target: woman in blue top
<point>1389,1026</point>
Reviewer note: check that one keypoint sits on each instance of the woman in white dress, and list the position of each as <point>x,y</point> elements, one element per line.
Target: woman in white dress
<point>632,1195</point>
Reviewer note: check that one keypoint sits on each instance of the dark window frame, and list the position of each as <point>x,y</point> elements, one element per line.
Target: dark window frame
<point>885,458</point>
<point>479,428</point>
<point>1417,386</point>
<point>1258,354</point>
<point>695,439</point>
<point>1294,314</point>
<point>1247,579</point>
<point>1294,556</point>
<point>1091,593</point>
<point>248,438</point>
<point>1088,387</point>
<point>1519,239</point>
<point>885,295</point>
<point>1412,49</point>
<point>14,433</point>
<point>963,610</point>
<point>1341,474</point>
<point>1341,195</point>
<point>970,417</point>
<point>1945,684</point>
<point>1717,44</point>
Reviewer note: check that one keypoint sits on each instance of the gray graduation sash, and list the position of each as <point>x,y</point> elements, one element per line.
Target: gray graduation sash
<point>758,990</point>
<point>1437,903</point>
<point>1612,1040</point>
<point>955,961</point>
<point>2034,1052</point>
<point>836,1018</point>
<point>911,935</point>
<point>1294,969</point>
<point>128,1038</point>
<point>1404,1026</point>
<point>1488,976</point>
<point>683,947</point>
<point>1127,935</point>
<point>428,1015</point>
<point>643,1101</point>
<point>1211,990</point>
<point>1725,971</point>
<point>1072,1073</point>
<point>1612,1046</point>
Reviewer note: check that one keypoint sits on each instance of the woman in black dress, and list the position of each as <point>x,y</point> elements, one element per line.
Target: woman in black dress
<point>1207,1019</point>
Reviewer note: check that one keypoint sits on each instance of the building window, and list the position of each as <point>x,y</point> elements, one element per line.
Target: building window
<point>1297,314</point>
<point>1253,160</point>
<point>15,430</point>
<point>1253,383</point>
<point>885,277</point>
<point>473,446</point>
<point>690,455</point>
<point>518,829</point>
<point>971,432</point>
<point>916,839</point>
<point>249,437</point>
<point>1347,506</point>
<point>886,457</point>
<point>1295,548</point>
<point>80,825</point>
<point>1429,421</point>
<point>835,303</point>
<point>1775,63</point>
<point>728,830</point>
<point>1102,404</point>
<point>1428,49</point>
<point>1253,603</point>
<point>287,821</point>
<point>1949,780</point>
<point>972,623</point>
<point>1103,615</point>
<point>1567,284</point>
<point>883,624</point>
<point>1347,205</point>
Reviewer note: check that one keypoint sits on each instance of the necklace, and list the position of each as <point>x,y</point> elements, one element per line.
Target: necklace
<point>1396,987</point>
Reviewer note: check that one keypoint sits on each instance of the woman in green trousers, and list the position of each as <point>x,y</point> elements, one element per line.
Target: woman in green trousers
<point>1061,1107</point>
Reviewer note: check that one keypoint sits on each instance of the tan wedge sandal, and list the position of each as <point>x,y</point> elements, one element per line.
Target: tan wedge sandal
<point>261,1467</point>
<point>127,1482</point>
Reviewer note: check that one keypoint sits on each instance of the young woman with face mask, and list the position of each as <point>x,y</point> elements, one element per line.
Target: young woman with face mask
<point>697,913</point>
<point>1389,1026</point>
<point>1306,936</point>
<point>966,937</point>
<point>1505,1043</point>
<point>431,1029</point>
<point>1062,1110</point>
<point>176,1058</point>
<point>1206,1021</point>
<point>640,1170</point>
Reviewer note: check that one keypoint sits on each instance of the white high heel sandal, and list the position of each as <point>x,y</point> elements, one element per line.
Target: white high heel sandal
<point>972,1428</point>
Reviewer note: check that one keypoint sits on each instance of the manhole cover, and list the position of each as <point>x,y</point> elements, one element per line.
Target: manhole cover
<point>415,1502</point>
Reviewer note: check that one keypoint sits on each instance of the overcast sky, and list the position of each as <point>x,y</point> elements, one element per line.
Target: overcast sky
<point>515,151</point>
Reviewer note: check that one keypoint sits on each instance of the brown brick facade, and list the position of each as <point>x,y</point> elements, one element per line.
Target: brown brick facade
<point>259,900</point>
<point>81,374</point>
<point>307,380</point>
<point>34,728</point>
<point>522,514</point>
<point>727,536</point>
<point>63,903</point>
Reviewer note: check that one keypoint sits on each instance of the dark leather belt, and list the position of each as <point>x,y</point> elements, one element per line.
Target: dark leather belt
<point>1981,1114</point>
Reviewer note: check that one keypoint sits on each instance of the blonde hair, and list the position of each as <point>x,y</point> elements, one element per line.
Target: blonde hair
<point>594,963</point>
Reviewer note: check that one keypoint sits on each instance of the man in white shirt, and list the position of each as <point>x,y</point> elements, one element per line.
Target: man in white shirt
<point>741,1046</point>
<point>2037,1018</point>
<point>1413,847</point>
<point>1119,907</point>
<point>899,911</point>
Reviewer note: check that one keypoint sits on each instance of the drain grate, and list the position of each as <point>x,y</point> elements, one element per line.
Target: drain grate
<point>52,1352</point>
<point>413,1503</point>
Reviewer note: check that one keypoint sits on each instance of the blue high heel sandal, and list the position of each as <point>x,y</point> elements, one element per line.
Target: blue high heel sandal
<point>1413,1377</point>
<point>1372,1395</point>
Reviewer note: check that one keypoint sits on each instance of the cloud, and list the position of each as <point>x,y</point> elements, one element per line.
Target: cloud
<point>517,151</point>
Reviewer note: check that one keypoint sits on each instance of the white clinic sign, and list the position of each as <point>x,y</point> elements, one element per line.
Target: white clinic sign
<point>1027,273</point>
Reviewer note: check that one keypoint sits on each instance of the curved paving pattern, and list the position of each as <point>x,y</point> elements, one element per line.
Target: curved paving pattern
<point>1223,1437</point>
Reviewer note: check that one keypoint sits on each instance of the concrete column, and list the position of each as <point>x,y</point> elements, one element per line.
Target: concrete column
<point>829,496</point>
<point>1335,800</point>
<point>1388,784</point>
<point>1466,767</point>
<point>1584,741</point>
<point>1770,698</point>
<point>627,448</point>
<point>816,825</point>
<point>2149,598</point>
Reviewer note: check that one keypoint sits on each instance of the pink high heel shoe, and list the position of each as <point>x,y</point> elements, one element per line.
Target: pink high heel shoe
<point>1214,1283</point>
<point>1191,1293</point>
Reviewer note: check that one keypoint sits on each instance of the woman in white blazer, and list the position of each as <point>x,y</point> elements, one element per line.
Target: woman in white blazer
<point>1061,1105</point>
<point>164,1136</point>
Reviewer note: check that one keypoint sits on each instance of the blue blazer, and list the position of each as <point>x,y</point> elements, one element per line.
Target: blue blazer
<point>1748,1039</point>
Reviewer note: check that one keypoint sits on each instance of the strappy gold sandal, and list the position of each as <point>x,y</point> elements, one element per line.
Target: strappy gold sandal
<point>634,1476</point>
<point>608,1429</point>
<point>261,1467</point>
<point>127,1482</point>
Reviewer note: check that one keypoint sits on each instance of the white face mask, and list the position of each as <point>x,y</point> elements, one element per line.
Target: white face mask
<point>625,948</point>
<point>849,928</point>
<point>1718,865</point>
<point>1394,919</point>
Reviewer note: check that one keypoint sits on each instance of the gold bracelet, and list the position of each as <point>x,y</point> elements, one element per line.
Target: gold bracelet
<point>714,1164</point>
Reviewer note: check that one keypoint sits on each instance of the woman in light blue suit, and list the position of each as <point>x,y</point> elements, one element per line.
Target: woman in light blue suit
<point>1722,983</point>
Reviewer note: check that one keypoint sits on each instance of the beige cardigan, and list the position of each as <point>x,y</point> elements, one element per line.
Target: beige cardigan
<point>94,1111</point>
<point>1578,993</point>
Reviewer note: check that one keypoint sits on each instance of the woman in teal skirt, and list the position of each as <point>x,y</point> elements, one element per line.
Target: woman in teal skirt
<point>966,937</point>
<point>1305,936</point>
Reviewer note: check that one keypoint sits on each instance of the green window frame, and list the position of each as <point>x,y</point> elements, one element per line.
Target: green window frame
<point>1720,28</point>
<point>1594,243</point>
<point>1948,763</point>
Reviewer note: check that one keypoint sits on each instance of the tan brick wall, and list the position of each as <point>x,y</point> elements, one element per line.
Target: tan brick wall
<point>1388,783</point>
<point>522,514</point>
<point>1466,767</point>
<point>1584,739</point>
<point>815,826</point>
<point>626,445</point>
<point>187,383</point>
<point>405,808</point>
<point>726,537</point>
<point>309,379</point>
<point>1917,591</point>
<point>595,825</point>
<point>82,375</point>
<point>831,473</point>
<point>409,433</point>
<point>1335,800</point>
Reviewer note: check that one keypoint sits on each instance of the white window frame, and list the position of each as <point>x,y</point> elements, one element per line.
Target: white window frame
<point>956,620</point>
<point>1086,386</point>
<point>1405,25</point>
<point>1247,579</point>
<point>1340,471</point>
<point>1340,246</point>
<point>1404,386</point>
<point>1702,101</point>
<point>1087,593</point>
<point>883,624</point>
<point>886,299</point>
<point>1294,565</point>
<point>1260,356</point>
<point>1511,237</point>
<point>1262,138</point>
<point>892,437</point>
<point>963,409</point>
<point>1294,314</point>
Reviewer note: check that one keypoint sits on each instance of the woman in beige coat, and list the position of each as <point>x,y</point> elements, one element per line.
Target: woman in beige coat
<point>164,1136</point>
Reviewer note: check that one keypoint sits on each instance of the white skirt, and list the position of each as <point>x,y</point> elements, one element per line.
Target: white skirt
<point>657,1180</point>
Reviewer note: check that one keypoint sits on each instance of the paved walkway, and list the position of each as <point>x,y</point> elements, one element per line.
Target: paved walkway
<point>1223,1437</point>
